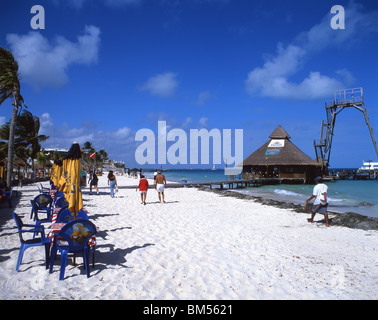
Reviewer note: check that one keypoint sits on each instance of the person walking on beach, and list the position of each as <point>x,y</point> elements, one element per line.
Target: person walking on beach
<point>143,188</point>
<point>93,180</point>
<point>160,184</point>
<point>112,182</point>
<point>320,203</point>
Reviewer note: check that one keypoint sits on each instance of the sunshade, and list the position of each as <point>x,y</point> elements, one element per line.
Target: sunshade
<point>72,177</point>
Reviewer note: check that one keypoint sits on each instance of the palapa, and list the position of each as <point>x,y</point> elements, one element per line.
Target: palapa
<point>281,158</point>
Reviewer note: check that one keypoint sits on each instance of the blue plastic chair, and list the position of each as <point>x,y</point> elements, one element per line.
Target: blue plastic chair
<point>35,242</point>
<point>66,216</point>
<point>76,235</point>
<point>41,203</point>
<point>59,194</point>
<point>38,220</point>
<point>43,190</point>
<point>61,202</point>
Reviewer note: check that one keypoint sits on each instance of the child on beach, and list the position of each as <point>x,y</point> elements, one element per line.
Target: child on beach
<point>320,203</point>
<point>160,184</point>
<point>112,182</point>
<point>143,188</point>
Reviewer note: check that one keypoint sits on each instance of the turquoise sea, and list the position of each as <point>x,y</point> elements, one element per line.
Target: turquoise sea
<point>358,196</point>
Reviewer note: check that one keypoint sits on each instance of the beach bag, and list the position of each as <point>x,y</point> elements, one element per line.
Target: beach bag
<point>323,195</point>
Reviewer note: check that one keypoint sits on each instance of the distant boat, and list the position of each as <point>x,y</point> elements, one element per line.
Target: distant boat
<point>368,166</point>
<point>213,167</point>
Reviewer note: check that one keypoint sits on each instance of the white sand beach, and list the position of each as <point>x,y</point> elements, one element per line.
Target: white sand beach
<point>199,245</point>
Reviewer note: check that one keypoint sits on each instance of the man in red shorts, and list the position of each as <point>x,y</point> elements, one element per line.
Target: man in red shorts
<point>143,187</point>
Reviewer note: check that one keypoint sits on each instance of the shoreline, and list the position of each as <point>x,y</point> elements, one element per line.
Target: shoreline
<point>348,219</point>
<point>351,220</point>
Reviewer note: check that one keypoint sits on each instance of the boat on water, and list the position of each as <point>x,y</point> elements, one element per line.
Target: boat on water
<point>369,169</point>
<point>368,166</point>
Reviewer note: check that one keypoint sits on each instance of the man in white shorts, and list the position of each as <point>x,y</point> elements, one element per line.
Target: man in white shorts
<point>160,184</point>
<point>320,203</point>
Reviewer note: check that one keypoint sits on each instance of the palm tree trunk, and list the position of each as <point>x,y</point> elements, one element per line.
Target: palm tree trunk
<point>11,142</point>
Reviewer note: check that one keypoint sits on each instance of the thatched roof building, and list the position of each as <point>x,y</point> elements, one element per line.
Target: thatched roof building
<point>280,158</point>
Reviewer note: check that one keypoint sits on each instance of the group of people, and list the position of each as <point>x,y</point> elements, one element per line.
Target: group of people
<point>319,192</point>
<point>112,182</point>
<point>159,181</point>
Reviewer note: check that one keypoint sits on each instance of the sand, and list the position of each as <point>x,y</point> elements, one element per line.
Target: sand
<point>198,245</point>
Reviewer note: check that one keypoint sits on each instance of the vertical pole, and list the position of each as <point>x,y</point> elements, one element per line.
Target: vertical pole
<point>370,130</point>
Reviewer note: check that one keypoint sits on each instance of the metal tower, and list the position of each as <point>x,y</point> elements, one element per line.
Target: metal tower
<point>345,98</point>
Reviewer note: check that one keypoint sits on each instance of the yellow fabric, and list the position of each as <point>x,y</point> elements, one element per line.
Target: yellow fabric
<point>58,173</point>
<point>52,172</point>
<point>64,183</point>
<point>73,195</point>
<point>55,173</point>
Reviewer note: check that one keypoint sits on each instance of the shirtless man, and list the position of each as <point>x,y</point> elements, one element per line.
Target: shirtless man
<point>160,184</point>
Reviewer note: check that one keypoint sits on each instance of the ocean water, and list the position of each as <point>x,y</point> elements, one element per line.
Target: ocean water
<point>357,196</point>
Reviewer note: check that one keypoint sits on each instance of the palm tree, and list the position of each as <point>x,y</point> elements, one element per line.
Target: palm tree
<point>42,159</point>
<point>27,136</point>
<point>10,87</point>
<point>27,140</point>
<point>88,146</point>
<point>102,156</point>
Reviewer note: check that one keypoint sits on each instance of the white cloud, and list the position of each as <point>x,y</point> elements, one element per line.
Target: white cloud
<point>203,97</point>
<point>358,25</point>
<point>273,78</point>
<point>3,120</point>
<point>123,133</point>
<point>188,121</point>
<point>44,63</point>
<point>203,122</point>
<point>118,143</point>
<point>46,124</point>
<point>163,85</point>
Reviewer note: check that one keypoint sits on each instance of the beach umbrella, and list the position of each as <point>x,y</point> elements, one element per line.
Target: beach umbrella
<point>52,174</point>
<point>56,172</point>
<point>72,176</point>
<point>64,180</point>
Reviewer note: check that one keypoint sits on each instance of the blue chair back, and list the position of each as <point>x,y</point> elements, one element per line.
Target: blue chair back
<point>43,201</point>
<point>36,209</point>
<point>66,216</point>
<point>77,233</point>
<point>61,202</point>
<point>59,194</point>
<point>27,243</point>
<point>19,225</point>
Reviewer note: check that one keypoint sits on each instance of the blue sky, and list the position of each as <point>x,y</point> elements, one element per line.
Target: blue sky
<point>103,69</point>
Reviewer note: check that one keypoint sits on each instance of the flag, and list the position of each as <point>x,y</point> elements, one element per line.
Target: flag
<point>92,154</point>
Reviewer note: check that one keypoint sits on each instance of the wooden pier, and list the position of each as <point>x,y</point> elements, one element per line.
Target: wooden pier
<point>228,184</point>
<point>353,175</point>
